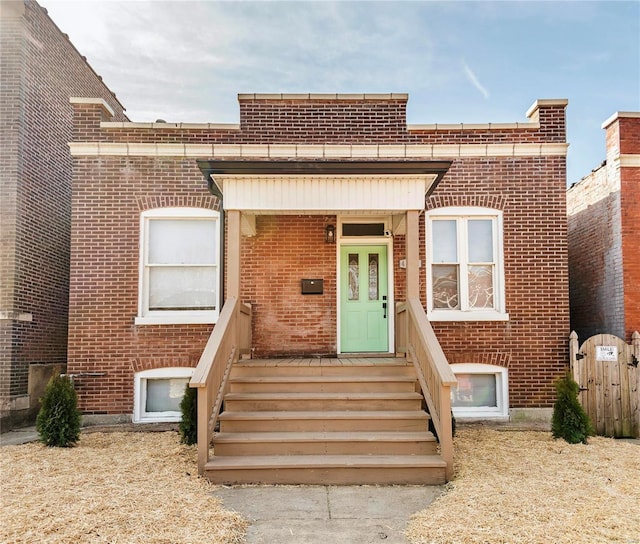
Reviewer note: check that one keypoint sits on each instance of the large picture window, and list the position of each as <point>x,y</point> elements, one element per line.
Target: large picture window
<point>179,266</point>
<point>465,273</point>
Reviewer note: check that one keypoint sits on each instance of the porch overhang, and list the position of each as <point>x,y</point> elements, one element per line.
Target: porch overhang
<point>281,186</point>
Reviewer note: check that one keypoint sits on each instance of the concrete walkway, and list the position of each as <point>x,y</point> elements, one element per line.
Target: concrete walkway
<point>327,514</point>
<point>19,436</point>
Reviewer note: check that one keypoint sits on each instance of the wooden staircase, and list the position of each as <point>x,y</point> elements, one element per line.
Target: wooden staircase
<point>324,421</point>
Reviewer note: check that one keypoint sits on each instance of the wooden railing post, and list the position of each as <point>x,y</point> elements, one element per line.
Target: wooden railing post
<point>635,342</point>
<point>401,329</point>
<point>203,429</point>
<point>446,446</point>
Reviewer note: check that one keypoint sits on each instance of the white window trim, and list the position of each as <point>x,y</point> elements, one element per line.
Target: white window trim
<point>497,314</point>
<point>176,317</point>
<point>502,392</point>
<point>140,394</point>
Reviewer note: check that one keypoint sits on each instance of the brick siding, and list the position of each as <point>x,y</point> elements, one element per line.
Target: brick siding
<point>107,201</point>
<point>40,71</point>
<point>604,240</point>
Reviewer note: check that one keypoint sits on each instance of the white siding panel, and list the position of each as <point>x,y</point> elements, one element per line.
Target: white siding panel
<point>322,193</point>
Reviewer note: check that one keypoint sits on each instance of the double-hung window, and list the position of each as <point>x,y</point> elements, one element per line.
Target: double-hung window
<point>465,274</point>
<point>179,266</point>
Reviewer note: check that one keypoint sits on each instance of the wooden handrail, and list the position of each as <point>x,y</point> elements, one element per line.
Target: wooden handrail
<point>230,336</point>
<point>419,342</point>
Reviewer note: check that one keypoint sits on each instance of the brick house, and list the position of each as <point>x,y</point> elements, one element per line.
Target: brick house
<point>603,211</point>
<point>41,69</point>
<point>320,237</point>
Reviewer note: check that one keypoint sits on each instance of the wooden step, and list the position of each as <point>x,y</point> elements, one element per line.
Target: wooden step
<point>328,469</point>
<point>322,384</point>
<point>322,401</point>
<point>325,443</point>
<point>274,368</point>
<point>324,421</point>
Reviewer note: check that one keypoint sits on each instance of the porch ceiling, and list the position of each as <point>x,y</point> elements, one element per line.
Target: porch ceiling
<point>277,187</point>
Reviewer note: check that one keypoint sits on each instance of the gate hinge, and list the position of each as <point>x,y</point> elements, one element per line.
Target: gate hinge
<point>634,361</point>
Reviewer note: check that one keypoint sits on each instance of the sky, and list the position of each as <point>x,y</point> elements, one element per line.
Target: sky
<point>459,61</point>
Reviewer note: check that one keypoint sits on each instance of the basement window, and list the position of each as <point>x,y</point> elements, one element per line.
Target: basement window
<point>158,394</point>
<point>482,391</point>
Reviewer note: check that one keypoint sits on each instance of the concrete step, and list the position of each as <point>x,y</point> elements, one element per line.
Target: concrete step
<point>324,421</point>
<point>325,443</point>
<point>328,469</point>
<point>322,384</point>
<point>322,401</point>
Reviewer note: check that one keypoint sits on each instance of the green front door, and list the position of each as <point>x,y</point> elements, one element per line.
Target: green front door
<point>364,305</point>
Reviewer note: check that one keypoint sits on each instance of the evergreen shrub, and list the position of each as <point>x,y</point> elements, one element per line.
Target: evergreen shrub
<point>58,421</point>
<point>569,421</point>
<point>189,424</point>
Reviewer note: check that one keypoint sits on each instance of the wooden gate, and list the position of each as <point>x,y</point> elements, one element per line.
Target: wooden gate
<point>606,369</point>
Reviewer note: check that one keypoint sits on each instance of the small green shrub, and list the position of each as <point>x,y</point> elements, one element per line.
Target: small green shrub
<point>58,421</point>
<point>569,421</point>
<point>189,424</point>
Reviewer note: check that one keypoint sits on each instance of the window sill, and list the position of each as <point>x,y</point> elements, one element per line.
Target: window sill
<point>208,318</point>
<point>463,416</point>
<point>456,315</point>
<point>171,418</point>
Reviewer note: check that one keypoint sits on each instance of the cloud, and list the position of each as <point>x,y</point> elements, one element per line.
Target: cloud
<point>475,81</point>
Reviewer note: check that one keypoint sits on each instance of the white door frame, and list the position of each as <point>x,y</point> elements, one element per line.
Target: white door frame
<point>363,241</point>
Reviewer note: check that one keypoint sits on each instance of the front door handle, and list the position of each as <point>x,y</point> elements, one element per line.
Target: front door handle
<point>384,309</point>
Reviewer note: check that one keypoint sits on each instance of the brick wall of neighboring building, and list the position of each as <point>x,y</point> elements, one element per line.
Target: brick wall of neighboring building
<point>41,69</point>
<point>108,200</point>
<point>603,212</point>
<point>629,128</point>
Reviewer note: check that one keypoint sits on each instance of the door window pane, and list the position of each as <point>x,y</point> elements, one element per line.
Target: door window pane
<point>475,390</point>
<point>480,234</point>
<point>480,280</point>
<point>445,286</point>
<point>445,241</point>
<point>354,277</point>
<point>373,276</point>
<point>165,394</point>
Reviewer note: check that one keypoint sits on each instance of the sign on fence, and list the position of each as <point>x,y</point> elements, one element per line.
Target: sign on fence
<point>606,353</point>
<point>606,369</point>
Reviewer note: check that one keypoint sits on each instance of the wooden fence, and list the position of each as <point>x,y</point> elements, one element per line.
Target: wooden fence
<point>606,369</point>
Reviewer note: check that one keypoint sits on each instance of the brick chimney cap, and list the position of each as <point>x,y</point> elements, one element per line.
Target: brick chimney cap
<point>621,114</point>
<point>545,102</point>
<point>320,96</point>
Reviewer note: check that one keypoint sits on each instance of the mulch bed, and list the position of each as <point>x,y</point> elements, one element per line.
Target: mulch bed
<point>112,487</point>
<point>524,487</point>
<point>509,487</point>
